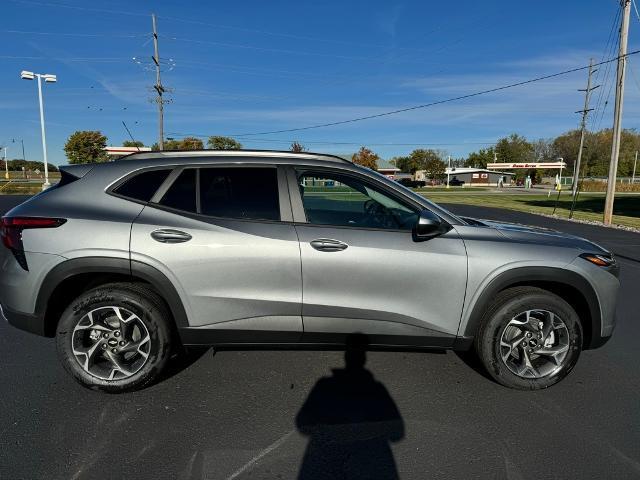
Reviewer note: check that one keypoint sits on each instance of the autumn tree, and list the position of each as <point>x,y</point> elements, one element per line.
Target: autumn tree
<point>223,143</point>
<point>297,147</point>
<point>86,146</point>
<point>366,158</point>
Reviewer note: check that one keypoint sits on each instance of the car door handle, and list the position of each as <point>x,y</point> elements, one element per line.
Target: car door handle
<point>328,245</point>
<point>167,235</point>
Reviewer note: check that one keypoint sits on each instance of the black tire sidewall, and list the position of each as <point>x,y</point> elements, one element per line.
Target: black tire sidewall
<point>149,311</point>
<point>489,341</point>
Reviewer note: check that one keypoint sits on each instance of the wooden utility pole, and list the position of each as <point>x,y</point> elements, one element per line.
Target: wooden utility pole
<point>583,124</point>
<point>158,86</point>
<point>617,112</point>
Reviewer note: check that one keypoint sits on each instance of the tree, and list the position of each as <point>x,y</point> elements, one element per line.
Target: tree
<point>191,143</point>
<point>223,143</point>
<point>434,168</point>
<point>187,143</point>
<point>366,158</point>
<point>514,148</point>
<point>297,147</point>
<point>86,146</point>
<point>480,158</point>
<point>403,163</point>
<point>419,159</point>
<point>132,143</point>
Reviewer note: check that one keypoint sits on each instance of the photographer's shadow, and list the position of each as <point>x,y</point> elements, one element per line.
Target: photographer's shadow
<point>351,420</point>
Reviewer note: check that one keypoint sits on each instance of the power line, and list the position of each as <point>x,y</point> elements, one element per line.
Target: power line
<point>75,7</point>
<point>331,142</point>
<point>431,104</point>
<point>72,34</point>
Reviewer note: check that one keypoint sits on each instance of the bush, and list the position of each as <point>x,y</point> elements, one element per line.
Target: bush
<point>596,186</point>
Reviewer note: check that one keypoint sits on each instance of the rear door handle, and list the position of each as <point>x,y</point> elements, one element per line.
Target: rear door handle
<point>167,235</point>
<point>328,245</point>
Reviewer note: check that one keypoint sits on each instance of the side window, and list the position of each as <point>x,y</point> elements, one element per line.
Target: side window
<point>144,185</point>
<point>182,192</point>
<point>342,200</point>
<point>246,192</point>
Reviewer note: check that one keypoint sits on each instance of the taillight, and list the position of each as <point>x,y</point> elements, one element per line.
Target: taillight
<point>11,232</point>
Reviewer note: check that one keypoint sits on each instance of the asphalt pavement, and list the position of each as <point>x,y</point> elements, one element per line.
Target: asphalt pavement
<point>248,414</point>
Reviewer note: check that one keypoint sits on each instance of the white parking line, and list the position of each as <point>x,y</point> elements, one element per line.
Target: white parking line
<point>260,455</point>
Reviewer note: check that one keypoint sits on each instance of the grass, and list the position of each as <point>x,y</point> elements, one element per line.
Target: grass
<point>589,207</point>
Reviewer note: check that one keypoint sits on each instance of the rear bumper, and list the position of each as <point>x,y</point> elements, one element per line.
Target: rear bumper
<point>28,322</point>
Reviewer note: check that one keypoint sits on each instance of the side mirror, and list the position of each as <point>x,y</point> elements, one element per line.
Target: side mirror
<point>429,225</point>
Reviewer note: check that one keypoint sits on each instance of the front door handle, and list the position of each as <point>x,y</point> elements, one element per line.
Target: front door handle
<point>328,245</point>
<point>167,235</point>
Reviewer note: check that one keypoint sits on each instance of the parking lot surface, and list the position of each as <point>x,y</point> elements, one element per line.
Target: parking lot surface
<point>244,414</point>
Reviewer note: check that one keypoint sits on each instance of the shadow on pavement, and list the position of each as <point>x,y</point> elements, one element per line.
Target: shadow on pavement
<point>350,420</point>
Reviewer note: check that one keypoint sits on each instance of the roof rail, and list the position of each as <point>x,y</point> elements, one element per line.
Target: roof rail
<point>236,152</point>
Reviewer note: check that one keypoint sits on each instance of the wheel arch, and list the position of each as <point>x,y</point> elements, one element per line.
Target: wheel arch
<point>570,286</point>
<point>68,279</point>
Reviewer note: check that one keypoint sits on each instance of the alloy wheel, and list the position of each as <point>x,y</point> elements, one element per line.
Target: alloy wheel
<point>534,344</point>
<point>111,343</point>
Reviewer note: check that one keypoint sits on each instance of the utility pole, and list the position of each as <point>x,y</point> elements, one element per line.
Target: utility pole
<point>448,169</point>
<point>633,177</point>
<point>583,125</point>
<point>158,86</point>
<point>617,113</point>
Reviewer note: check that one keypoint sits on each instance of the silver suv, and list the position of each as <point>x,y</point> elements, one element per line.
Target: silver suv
<point>125,262</point>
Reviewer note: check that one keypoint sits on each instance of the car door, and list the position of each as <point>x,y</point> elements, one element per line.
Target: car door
<point>362,270</point>
<point>222,235</point>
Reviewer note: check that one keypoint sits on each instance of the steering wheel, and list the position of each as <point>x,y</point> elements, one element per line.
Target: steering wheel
<point>377,215</point>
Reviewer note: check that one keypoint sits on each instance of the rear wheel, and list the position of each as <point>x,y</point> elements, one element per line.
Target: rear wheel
<point>529,338</point>
<point>115,337</point>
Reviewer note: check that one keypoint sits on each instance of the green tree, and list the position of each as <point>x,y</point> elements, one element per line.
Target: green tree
<point>132,143</point>
<point>434,168</point>
<point>187,143</point>
<point>366,158</point>
<point>480,158</point>
<point>86,146</point>
<point>423,159</point>
<point>514,148</point>
<point>403,163</point>
<point>223,143</point>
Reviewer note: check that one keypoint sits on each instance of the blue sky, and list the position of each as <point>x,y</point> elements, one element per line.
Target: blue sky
<point>244,67</point>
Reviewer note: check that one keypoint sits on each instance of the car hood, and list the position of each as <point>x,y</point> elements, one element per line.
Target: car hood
<point>539,235</point>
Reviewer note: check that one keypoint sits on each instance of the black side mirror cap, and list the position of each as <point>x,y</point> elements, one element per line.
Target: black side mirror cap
<point>429,225</point>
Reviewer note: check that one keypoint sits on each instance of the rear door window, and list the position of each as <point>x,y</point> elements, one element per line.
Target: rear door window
<point>245,193</point>
<point>181,195</point>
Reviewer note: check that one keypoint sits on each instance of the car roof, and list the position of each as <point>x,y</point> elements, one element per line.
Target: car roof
<point>212,154</point>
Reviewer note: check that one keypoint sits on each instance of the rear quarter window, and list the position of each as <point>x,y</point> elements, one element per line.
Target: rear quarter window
<point>143,185</point>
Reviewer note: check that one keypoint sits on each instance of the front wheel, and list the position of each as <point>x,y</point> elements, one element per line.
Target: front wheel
<point>529,338</point>
<point>115,337</point>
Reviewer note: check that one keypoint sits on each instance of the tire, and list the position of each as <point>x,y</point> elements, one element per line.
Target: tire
<point>503,334</point>
<point>123,325</point>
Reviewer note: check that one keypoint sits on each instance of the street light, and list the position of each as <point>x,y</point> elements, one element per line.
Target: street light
<point>48,78</point>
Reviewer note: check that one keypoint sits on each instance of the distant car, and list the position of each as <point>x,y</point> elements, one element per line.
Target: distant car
<point>124,262</point>
<point>455,182</point>
<point>407,182</point>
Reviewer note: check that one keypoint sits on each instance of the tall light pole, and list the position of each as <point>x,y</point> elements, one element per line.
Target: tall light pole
<point>48,78</point>
<point>448,169</point>
<point>6,164</point>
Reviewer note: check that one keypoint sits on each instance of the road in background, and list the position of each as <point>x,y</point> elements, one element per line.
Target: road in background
<point>233,414</point>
